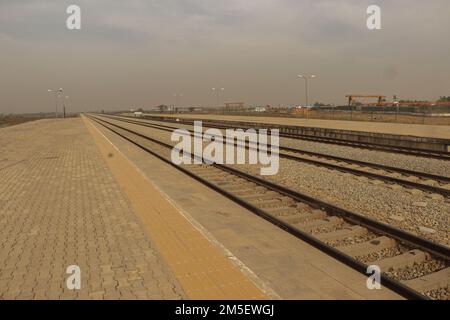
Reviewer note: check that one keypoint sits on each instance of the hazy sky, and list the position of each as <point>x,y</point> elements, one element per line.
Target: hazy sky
<point>140,53</point>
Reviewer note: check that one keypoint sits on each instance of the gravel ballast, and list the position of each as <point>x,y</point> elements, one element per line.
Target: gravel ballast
<point>410,210</point>
<point>428,165</point>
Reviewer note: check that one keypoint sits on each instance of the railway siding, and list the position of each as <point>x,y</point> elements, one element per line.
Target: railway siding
<point>338,135</point>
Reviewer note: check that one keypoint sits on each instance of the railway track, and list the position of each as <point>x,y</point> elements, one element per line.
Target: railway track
<point>393,176</point>
<point>290,133</point>
<point>412,266</point>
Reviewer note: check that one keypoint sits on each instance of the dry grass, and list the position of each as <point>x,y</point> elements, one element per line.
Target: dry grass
<point>14,120</point>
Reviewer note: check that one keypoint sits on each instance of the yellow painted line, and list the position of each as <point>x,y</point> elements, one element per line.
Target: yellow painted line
<point>202,269</point>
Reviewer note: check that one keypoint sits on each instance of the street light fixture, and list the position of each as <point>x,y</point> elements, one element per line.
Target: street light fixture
<point>178,96</point>
<point>306,85</point>
<point>217,90</point>
<point>65,104</point>
<point>57,95</point>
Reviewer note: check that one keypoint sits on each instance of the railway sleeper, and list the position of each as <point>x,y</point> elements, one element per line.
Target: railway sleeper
<point>303,217</point>
<point>412,178</point>
<point>429,182</point>
<point>267,195</point>
<point>395,175</point>
<point>355,166</point>
<point>233,186</point>
<point>206,169</point>
<point>324,224</point>
<point>345,233</point>
<point>215,176</point>
<point>237,187</point>
<point>305,207</point>
<point>273,201</point>
<point>249,192</point>
<point>225,181</point>
<point>203,173</point>
<point>407,259</point>
<point>365,248</point>
<point>282,211</point>
<point>432,281</point>
<point>378,171</point>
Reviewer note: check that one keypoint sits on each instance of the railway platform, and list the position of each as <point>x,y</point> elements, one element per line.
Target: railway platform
<point>395,135</point>
<point>418,130</point>
<point>72,193</point>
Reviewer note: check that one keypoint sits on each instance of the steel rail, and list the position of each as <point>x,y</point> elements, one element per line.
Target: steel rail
<point>424,175</point>
<point>440,155</point>
<point>405,183</point>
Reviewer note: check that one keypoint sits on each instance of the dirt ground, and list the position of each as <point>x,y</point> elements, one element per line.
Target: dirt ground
<point>11,121</point>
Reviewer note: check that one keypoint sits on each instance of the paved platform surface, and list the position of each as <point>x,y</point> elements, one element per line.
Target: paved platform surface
<point>287,265</point>
<point>202,269</point>
<point>441,132</point>
<point>68,197</point>
<point>59,206</point>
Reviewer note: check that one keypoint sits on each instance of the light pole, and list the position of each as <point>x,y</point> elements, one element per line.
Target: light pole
<point>177,98</point>
<point>306,85</point>
<point>65,103</point>
<point>217,90</point>
<point>57,94</point>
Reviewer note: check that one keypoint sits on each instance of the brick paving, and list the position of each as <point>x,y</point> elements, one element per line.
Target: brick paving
<point>60,206</point>
<point>203,269</point>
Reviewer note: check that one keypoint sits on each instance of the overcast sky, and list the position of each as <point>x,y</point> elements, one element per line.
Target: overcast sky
<point>140,53</point>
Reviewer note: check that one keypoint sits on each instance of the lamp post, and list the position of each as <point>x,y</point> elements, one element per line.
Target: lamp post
<point>306,85</point>
<point>177,98</point>
<point>57,94</point>
<point>65,104</point>
<point>217,90</point>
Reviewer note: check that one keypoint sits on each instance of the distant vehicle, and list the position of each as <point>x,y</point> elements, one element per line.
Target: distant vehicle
<point>138,114</point>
